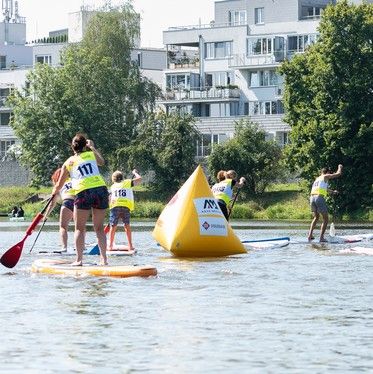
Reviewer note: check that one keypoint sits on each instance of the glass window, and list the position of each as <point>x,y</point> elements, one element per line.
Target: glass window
<point>237,17</point>
<point>254,79</point>
<point>2,62</point>
<point>259,15</point>
<point>4,119</point>
<point>44,59</point>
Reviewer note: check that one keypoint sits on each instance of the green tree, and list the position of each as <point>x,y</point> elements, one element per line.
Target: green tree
<point>166,145</point>
<point>329,103</point>
<point>250,154</point>
<point>98,90</point>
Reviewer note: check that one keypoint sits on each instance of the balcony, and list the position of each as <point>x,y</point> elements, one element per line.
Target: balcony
<point>209,94</point>
<point>243,61</point>
<point>181,66</point>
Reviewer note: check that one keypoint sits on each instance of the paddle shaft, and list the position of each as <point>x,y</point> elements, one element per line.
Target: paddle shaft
<point>37,236</point>
<point>233,202</point>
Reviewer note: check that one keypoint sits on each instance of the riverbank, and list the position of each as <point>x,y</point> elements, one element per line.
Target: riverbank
<point>279,202</point>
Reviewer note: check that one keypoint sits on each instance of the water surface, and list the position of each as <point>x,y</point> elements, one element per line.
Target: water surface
<point>302,308</point>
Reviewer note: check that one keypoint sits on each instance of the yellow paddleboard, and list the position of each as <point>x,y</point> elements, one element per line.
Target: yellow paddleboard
<point>63,267</point>
<point>192,224</point>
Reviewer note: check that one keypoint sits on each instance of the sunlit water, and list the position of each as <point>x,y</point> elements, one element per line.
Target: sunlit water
<point>302,308</point>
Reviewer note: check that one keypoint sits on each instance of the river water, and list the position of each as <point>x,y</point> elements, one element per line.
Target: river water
<point>298,309</point>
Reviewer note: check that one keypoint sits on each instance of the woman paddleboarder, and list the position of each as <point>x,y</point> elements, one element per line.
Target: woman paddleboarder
<point>91,194</point>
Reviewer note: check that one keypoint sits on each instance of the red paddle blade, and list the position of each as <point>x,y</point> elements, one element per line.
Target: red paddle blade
<point>11,257</point>
<point>106,229</point>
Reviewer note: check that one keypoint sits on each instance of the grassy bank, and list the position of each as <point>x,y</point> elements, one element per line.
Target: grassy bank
<point>279,202</point>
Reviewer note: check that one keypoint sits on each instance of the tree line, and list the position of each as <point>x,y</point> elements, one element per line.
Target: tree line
<point>98,90</point>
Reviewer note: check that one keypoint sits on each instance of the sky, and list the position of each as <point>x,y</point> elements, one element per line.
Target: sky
<point>43,16</point>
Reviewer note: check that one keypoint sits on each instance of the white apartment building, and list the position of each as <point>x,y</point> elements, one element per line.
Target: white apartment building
<point>226,70</point>
<point>17,58</point>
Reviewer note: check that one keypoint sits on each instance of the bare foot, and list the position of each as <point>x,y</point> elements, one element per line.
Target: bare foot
<point>77,263</point>
<point>323,240</point>
<point>310,238</point>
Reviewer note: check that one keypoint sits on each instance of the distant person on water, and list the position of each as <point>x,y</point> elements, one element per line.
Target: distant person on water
<point>20,212</point>
<point>318,205</point>
<point>91,194</point>
<point>14,211</point>
<point>223,189</point>
<point>67,196</point>
<point>121,204</point>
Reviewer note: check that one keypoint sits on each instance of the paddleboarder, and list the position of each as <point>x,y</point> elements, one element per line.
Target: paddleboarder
<point>318,204</point>
<point>223,189</point>
<point>91,193</point>
<point>121,204</point>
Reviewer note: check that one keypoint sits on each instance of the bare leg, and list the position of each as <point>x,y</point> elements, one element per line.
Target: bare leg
<point>113,229</point>
<point>127,228</point>
<point>313,224</point>
<point>324,225</point>
<point>80,218</point>
<point>98,217</point>
<point>66,215</point>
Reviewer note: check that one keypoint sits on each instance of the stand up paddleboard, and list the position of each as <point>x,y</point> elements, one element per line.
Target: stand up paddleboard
<point>266,243</point>
<point>344,239</point>
<point>63,267</point>
<point>358,250</point>
<point>118,250</point>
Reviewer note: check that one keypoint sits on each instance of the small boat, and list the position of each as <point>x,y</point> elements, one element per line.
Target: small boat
<point>17,219</point>
<point>65,267</point>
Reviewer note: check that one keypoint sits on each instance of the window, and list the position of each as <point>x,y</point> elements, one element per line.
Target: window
<point>43,59</point>
<point>311,12</point>
<point>259,16</point>
<point>207,142</point>
<point>237,17</point>
<point>263,78</point>
<point>299,43</point>
<point>4,146</point>
<point>259,46</point>
<point>218,50</point>
<point>2,62</point>
<point>219,78</point>
<point>4,119</point>
<point>257,108</point>
<point>178,81</point>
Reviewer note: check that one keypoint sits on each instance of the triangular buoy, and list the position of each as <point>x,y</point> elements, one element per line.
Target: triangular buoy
<point>192,224</point>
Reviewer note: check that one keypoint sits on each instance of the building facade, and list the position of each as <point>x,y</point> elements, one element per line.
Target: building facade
<point>227,70</point>
<point>17,58</point>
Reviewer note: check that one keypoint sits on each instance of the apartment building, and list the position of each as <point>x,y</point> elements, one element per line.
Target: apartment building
<point>17,58</point>
<point>226,70</point>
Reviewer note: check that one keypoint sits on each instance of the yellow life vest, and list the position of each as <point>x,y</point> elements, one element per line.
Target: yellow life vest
<point>67,191</point>
<point>223,190</point>
<point>84,172</point>
<point>121,195</point>
<point>319,187</point>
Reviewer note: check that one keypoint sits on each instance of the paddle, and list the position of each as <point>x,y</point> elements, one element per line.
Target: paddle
<point>11,257</point>
<point>96,249</point>
<point>332,228</point>
<point>233,202</point>
<point>37,236</point>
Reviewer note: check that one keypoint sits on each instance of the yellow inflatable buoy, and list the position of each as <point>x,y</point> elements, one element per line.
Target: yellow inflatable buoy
<point>192,224</point>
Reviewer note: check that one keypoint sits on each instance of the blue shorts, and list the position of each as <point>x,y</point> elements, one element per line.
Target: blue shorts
<point>318,204</point>
<point>92,198</point>
<point>119,212</point>
<point>69,204</point>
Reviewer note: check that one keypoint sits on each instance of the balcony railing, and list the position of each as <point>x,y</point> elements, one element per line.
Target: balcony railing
<point>187,65</point>
<point>206,26</point>
<point>259,60</point>
<point>204,94</point>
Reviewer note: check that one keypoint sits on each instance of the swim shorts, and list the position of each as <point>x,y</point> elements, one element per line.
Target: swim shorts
<point>96,198</point>
<point>318,204</point>
<point>117,213</point>
<point>69,204</point>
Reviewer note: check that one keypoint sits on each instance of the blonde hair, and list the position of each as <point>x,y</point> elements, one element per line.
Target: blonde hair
<point>231,174</point>
<point>117,176</point>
